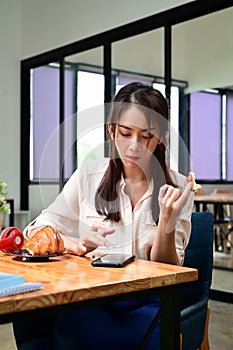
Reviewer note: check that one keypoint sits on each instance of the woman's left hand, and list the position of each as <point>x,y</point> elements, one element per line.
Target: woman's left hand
<point>74,246</point>
<point>94,237</point>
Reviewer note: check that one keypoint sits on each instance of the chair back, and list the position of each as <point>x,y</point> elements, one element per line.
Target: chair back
<point>199,255</point>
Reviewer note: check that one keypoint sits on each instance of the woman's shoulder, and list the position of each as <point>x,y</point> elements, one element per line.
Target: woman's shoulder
<point>94,167</point>
<point>87,170</point>
<point>87,176</point>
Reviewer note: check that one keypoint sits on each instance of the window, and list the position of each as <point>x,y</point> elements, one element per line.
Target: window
<point>90,126</point>
<point>229,138</point>
<point>174,124</point>
<point>210,140</point>
<point>43,123</point>
<point>84,129</point>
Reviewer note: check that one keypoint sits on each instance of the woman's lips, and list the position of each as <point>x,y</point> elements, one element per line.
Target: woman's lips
<point>132,158</point>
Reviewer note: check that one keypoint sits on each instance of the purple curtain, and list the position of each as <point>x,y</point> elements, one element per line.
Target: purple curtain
<point>45,122</point>
<point>229,135</point>
<point>205,135</point>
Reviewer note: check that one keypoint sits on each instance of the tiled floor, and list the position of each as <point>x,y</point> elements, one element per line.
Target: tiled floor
<point>223,280</point>
<point>221,314</point>
<point>221,325</point>
<point>223,260</point>
<point>7,338</point>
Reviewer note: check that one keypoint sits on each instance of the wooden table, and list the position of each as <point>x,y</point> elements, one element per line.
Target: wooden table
<point>70,281</point>
<point>212,199</point>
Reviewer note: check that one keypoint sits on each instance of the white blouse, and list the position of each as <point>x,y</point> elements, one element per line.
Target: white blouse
<point>73,212</point>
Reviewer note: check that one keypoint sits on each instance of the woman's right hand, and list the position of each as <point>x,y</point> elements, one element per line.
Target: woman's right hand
<point>171,201</point>
<point>90,240</point>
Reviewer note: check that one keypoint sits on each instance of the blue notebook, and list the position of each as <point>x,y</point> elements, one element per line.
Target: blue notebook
<point>9,280</point>
<point>11,284</point>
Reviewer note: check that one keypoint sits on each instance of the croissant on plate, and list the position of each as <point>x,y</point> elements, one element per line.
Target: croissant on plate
<point>47,241</point>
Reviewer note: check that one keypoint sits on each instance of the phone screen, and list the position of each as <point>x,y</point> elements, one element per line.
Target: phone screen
<point>113,260</point>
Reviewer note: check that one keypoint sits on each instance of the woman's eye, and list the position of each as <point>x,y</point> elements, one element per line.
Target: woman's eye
<point>146,137</point>
<point>124,134</point>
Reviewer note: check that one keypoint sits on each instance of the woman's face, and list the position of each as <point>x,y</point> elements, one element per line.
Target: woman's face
<point>134,139</point>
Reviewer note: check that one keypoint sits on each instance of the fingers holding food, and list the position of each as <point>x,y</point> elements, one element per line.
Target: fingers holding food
<point>191,178</point>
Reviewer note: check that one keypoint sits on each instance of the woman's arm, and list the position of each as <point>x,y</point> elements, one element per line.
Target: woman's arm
<point>172,201</point>
<point>63,215</point>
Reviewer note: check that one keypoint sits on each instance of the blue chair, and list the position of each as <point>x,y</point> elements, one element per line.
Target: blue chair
<point>195,295</point>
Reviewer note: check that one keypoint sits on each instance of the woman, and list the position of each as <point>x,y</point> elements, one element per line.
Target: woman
<point>131,203</point>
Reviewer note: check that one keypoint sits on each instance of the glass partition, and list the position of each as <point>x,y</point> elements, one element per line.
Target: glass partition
<point>142,53</point>
<point>88,118</point>
<point>201,55</point>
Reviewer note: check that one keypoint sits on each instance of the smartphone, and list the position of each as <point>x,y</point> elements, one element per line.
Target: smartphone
<point>113,260</point>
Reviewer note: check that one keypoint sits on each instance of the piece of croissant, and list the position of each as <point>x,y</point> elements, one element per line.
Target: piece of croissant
<point>191,178</point>
<point>47,241</point>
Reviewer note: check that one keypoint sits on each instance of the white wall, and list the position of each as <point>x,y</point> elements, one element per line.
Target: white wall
<point>10,54</point>
<point>30,27</point>
<point>203,51</point>
<point>48,24</point>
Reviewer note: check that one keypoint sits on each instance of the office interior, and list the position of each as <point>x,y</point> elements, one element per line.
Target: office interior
<point>201,51</point>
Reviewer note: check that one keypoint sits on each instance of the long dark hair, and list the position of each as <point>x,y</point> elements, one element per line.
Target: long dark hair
<point>154,105</point>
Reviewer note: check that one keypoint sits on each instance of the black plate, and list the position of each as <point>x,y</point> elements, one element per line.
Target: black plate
<point>25,255</point>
